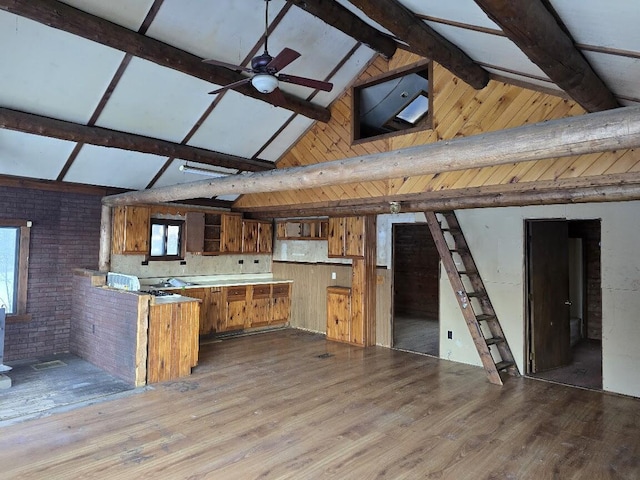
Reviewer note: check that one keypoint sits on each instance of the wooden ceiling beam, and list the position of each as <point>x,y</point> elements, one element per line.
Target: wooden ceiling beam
<point>339,17</point>
<point>536,32</point>
<point>58,15</point>
<point>603,188</point>
<point>104,137</point>
<point>423,40</point>
<point>589,133</point>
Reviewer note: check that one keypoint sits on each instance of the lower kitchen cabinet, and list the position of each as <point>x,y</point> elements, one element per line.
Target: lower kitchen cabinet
<point>339,314</point>
<point>172,340</point>
<point>242,306</point>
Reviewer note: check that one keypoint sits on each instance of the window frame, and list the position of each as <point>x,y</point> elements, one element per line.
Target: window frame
<point>425,123</point>
<point>181,240</point>
<point>22,282</point>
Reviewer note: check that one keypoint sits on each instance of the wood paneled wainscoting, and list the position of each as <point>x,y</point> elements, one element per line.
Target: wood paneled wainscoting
<point>291,405</point>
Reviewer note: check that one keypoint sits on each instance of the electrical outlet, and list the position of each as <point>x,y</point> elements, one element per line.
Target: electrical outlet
<point>449,334</point>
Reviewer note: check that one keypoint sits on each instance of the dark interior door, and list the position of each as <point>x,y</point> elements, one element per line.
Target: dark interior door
<point>549,331</point>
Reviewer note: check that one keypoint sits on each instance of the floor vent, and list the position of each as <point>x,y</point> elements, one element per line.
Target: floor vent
<point>48,365</point>
<point>325,355</point>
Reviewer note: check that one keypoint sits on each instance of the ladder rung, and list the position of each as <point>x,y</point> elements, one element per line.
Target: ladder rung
<point>449,229</point>
<point>476,294</point>
<point>459,250</point>
<point>494,340</point>
<point>504,365</point>
<point>468,272</point>
<point>485,318</point>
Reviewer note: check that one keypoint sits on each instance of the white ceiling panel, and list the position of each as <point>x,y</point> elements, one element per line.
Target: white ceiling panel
<point>173,175</point>
<point>156,101</point>
<point>305,33</point>
<point>620,74</point>
<point>462,11</point>
<point>114,167</point>
<point>50,72</point>
<point>489,49</point>
<point>123,12</point>
<point>353,9</point>
<point>225,30</point>
<point>26,155</point>
<point>344,77</point>
<point>613,23</point>
<point>239,125</point>
<point>229,198</point>
<point>285,139</point>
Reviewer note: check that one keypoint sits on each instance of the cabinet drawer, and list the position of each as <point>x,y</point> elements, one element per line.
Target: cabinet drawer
<point>261,291</point>
<point>236,292</point>
<point>281,290</point>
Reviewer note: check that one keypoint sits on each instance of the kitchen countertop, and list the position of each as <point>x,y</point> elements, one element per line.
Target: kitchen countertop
<point>212,281</point>
<point>168,299</point>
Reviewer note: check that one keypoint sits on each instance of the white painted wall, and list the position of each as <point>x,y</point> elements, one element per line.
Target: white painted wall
<point>496,239</point>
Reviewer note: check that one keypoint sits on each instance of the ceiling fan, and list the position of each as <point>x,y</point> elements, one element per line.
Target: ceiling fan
<point>265,70</point>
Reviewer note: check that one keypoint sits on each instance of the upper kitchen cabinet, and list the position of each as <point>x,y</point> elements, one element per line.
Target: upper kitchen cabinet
<point>302,229</point>
<point>231,233</point>
<point>346,237</point>
<point>257,236</point>
<point>130,233</point>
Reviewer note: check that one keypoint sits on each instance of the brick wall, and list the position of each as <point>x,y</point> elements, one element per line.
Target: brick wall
<point>104,326</point>
<point>65,235</point>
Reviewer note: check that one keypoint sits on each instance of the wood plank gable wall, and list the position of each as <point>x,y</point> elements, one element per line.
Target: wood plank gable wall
<point>458,111</point>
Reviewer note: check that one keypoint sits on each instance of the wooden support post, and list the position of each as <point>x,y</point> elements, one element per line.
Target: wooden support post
<point>104,261</point>
<point>363,288</point>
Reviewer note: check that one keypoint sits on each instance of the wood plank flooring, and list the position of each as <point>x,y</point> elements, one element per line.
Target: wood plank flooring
<point>289,404</point>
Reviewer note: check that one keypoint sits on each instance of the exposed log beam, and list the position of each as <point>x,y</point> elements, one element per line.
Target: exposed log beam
<point>423,40</point>
<point>604,188</point>
<point>590,133</point>
<point>537,33</point>
<point>49,127</point>
<point>64,17</point>
<point>339,17</point>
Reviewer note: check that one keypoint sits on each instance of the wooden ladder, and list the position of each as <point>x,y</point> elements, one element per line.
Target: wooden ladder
<point>480,314</point>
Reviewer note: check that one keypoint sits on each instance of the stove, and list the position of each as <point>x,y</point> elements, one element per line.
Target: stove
<point>157,293</point>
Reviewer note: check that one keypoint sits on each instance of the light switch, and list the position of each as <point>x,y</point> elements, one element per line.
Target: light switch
<point>333,275</point>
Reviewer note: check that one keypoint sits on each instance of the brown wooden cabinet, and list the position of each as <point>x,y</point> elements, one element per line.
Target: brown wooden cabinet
<point>260,312</point>
<point>346,237</point>
<point>257,236</point>
<point>130,232</point>
<point>280,303</point>
<point>235,307</point>
<point>172,340</point>
<point>265,237</point>
<point>339,314</point>
<point>231,233</point>
<point>305,229</point>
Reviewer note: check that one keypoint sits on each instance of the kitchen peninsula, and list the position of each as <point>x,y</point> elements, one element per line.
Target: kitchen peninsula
<point>143,338</point>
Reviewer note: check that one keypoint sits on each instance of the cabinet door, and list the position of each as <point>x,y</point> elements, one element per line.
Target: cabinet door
<point>195,232</point>
<point>236,307</point>
<point>231,233</point>
<point>265,237</point>
<point>335,238</point>
<point>354,236</point>
<point>280,303</point>
<point>130,234</point>
<point>216,309</point>
<point>249,236</point>
<point>338,313</point>
<point>261,305</point>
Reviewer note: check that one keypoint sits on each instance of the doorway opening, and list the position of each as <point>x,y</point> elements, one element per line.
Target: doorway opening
<point>416,296</point>
<point>564,307</point>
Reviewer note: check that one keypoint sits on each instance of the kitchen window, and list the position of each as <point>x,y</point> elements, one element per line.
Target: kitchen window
<point>166,239</point>
<point>14,267</point>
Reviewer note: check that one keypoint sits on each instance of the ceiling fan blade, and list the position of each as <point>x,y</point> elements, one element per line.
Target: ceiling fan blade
<point>231,85</point>
<point>306,82</point>
<point>230,66</point>
<point>277,98</point>
<point>284,58</point>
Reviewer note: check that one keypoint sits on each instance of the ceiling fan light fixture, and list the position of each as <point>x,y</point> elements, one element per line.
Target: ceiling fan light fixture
<point>264,83</point>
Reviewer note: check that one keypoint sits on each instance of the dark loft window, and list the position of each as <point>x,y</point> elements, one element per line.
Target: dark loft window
<point>166,239</point>
<point>14,266</point>
<point>399,102</point>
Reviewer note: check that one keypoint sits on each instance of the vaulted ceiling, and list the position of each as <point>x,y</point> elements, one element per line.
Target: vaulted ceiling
<point>115,93</point>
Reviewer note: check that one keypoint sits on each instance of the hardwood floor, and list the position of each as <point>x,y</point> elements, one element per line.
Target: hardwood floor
<point>289,404</point>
